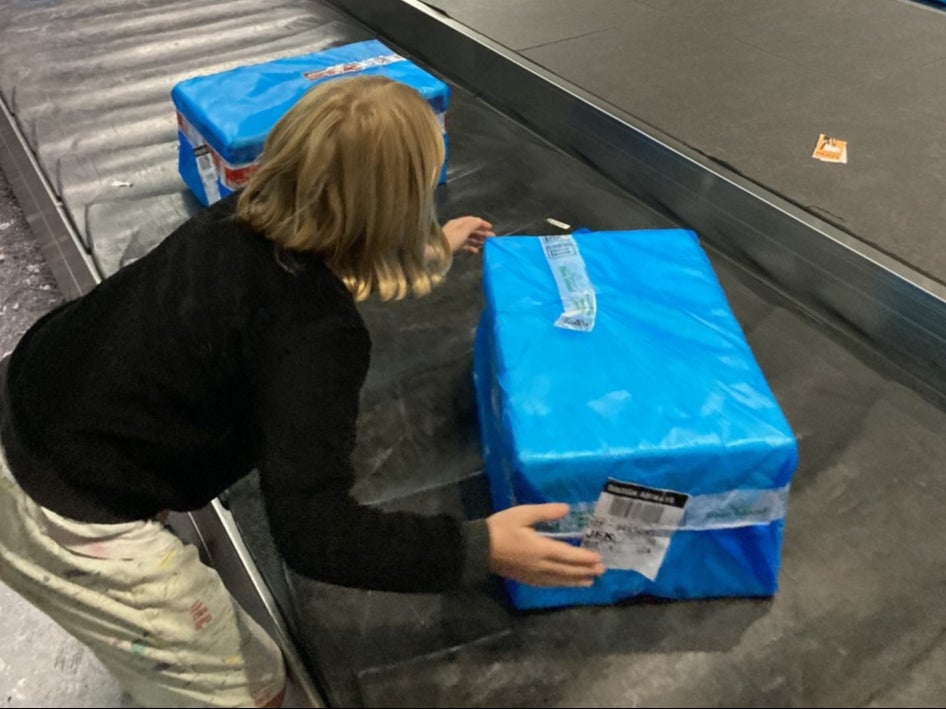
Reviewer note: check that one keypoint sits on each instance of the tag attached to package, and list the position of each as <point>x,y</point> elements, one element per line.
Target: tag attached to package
<point>632,525</point>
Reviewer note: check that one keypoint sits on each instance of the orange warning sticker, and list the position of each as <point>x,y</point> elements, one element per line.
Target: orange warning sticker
<point>830,149</point>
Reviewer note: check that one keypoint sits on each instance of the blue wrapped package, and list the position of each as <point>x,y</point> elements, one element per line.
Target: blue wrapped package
<point>223,119</point>
<point>611,374</point>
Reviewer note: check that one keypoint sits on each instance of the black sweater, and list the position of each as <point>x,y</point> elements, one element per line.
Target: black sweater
<point>211,356</point>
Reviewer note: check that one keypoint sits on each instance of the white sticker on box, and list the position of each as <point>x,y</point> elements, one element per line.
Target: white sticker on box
<point>632,525</point>
<point>203,156</point>
<point>207,172</point>
<point>574,288</point>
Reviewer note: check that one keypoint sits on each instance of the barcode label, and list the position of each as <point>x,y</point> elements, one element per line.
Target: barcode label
<point>632,525</point>
<point>646,512</point>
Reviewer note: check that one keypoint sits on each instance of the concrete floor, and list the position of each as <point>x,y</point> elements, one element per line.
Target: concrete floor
<point>40,664</point>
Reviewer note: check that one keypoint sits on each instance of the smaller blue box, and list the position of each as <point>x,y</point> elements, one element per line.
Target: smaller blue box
<point>612,375</point>
<point>223,119</point>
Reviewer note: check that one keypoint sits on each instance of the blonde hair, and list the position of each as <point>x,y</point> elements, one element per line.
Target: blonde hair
<point>348,174</point>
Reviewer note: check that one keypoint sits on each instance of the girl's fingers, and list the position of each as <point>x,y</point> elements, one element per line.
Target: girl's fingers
<point>564,553</point>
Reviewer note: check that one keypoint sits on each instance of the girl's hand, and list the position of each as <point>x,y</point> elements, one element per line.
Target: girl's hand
<point>517,551</point>
<point>467,233</point>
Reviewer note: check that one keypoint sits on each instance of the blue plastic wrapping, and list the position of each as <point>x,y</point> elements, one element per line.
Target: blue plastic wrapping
<point>651,417</point>
<point>224,118</point>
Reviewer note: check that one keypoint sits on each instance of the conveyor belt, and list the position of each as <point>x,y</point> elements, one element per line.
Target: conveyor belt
<point>709,111</point>
<point>848,625</point>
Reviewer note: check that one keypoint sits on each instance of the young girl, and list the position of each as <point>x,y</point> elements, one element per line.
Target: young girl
<point>237,344</point>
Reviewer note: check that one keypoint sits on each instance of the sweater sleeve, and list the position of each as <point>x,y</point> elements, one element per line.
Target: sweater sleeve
<point>310,388</point>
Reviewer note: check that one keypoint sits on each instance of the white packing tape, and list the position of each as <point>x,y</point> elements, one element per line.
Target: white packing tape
<point>575,290</point>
